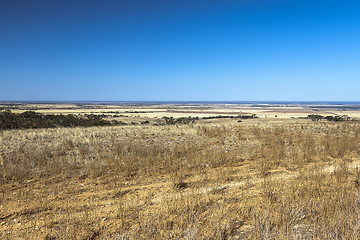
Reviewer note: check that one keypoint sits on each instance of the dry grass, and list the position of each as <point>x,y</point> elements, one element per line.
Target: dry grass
<point>259,179</point>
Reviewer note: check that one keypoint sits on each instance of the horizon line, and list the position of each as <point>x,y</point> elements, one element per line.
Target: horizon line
<point>178,101</point>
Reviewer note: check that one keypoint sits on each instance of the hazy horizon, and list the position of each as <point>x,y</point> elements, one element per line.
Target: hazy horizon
<point>186,102</point>
<point>193,51</point>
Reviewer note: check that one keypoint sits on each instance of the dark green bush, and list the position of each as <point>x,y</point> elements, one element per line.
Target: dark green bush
<point>31,119</point>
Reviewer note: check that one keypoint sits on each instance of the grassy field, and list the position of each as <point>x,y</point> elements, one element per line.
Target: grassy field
<point>218,179</point>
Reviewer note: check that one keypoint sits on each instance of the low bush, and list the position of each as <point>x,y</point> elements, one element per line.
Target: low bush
<point>31,119</point>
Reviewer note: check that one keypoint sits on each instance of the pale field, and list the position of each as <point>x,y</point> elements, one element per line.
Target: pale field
<point>190,110</point>
<point>265,178</point>
<point>353,114</point>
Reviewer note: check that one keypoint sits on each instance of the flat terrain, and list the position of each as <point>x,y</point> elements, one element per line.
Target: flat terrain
<point>264,178</point>
<point>137,110</point>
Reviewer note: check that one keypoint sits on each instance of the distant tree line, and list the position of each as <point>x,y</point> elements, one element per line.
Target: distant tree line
<point>187,120</point>
<point>181,120</point>
<point>31,119</point>
<point>233,117</point>
<point>316,117</point>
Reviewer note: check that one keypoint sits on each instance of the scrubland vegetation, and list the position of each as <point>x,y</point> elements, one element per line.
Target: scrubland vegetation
<point>258,179</point>
<point>31,119</point>
<point>317,117</point>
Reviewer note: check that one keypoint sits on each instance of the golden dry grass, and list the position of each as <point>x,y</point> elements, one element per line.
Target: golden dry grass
<point>259,179</point>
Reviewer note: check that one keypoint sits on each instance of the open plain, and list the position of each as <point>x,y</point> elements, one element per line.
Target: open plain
<point>277,176</point>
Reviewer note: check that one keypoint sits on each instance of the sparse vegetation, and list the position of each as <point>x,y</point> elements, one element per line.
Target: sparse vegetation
<point>257,180</point>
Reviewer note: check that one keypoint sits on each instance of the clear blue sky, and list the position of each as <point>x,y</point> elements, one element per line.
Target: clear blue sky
<point>178,50</point>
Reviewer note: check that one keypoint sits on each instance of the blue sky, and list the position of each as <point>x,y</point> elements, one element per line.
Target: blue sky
<point>179,50</point>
